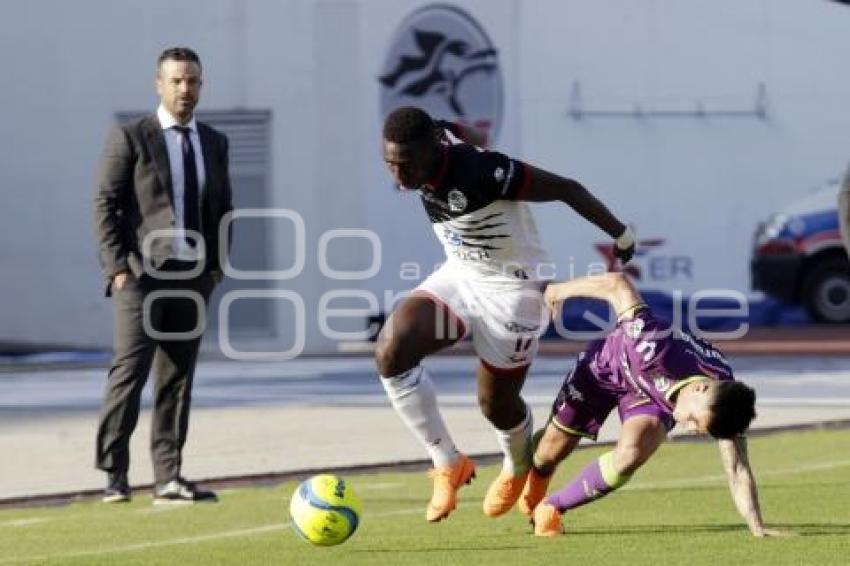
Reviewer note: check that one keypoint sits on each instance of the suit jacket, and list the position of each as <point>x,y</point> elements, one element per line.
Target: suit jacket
<point>134,196</point>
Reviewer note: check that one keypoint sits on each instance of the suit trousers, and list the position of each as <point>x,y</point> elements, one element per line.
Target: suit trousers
<point>136,350</point>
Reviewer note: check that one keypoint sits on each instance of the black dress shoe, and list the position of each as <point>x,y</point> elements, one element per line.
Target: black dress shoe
<point>117,488</point>
<point>180,490</point>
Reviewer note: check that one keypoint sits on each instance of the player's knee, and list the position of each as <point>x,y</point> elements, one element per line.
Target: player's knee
<point>492,407</point>
<point>504,414</point>
<point>391,359</point>
<point>627,459</point>
<point>385,358</point>
<point>488,406</point>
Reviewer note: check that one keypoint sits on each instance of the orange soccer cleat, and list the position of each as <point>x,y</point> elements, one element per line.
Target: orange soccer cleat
<point>447,481</point>
<point>547,521</point>
<point>533,492</point>
<point>503,493</point>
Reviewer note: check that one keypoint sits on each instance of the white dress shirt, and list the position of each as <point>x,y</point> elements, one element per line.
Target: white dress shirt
<point>174,142</point>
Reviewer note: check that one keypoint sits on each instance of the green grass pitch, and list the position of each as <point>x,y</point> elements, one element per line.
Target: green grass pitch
<point>677,510</point>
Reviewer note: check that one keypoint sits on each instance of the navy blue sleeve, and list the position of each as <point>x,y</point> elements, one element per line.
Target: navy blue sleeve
<point>498,173</point>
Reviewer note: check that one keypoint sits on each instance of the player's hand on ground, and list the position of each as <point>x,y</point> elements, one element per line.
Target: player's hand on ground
<point>624,246</point>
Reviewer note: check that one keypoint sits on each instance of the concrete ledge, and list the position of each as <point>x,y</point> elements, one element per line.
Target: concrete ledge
<point>821,339</point>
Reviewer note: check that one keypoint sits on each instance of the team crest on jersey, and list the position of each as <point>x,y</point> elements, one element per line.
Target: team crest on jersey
<point>452,238</point>
<point>499,174</point>
<point>457,201</point>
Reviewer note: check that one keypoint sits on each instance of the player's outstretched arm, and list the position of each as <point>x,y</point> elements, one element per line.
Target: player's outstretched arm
<point>613,287</point>
<point>742,485</point>
<point>548,187</point>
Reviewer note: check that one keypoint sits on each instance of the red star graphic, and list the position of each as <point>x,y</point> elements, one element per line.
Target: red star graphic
<point>613,264</point>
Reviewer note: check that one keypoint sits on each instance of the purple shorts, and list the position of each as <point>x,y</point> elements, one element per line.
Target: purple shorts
<point>585,401</point>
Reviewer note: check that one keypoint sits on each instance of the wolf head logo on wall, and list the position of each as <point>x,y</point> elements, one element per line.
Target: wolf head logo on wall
<point>441,60</point>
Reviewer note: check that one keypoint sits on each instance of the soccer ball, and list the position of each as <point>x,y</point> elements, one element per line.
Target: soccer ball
<point>324,510</point>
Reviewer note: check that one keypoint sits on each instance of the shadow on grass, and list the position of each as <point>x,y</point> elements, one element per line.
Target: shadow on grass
<point>801,529</point>
<point>655,529</point>
<point>813,529</point>
<point>720,485</point>
<point>809,485</point>
<point>445,548</point>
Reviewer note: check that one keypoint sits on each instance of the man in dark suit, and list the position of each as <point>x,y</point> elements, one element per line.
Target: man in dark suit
<point>163,189</point>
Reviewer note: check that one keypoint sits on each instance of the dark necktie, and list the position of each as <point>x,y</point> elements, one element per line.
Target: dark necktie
<point>191,206</point>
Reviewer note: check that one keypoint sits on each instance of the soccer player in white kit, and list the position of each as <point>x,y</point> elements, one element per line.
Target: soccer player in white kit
<point>490,287</point>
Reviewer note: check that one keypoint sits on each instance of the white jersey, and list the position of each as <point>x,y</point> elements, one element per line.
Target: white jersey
<point>475,209</point>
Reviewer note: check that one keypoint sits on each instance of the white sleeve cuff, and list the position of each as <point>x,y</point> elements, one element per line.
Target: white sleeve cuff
<point>626,239</point>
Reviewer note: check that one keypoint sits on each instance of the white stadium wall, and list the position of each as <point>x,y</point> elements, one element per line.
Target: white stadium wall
<point>700,184</point>
<point>628,97</point>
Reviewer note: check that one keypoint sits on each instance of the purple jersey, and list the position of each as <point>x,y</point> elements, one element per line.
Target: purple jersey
<point>638,368</point>
<point>645,357</point>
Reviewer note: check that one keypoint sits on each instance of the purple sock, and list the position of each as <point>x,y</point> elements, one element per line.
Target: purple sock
<point>589,485</point>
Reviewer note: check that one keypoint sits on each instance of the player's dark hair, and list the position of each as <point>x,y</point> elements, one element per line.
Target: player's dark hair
<point>408,124</point>
<point>178,54</point>
<point>734,408</point>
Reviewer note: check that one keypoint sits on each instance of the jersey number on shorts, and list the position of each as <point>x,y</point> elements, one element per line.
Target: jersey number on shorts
<point>523,343</point>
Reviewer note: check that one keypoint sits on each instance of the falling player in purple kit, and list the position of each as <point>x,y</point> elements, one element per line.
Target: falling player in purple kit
<point>654,376</point>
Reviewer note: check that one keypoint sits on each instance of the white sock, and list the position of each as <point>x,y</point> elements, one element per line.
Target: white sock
<point>516,445</point>
<point>413,397</point>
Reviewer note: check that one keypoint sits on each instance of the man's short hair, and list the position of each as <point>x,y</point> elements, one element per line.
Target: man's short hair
<point>178,54</point>
<point>408,124</point>
<point>734,408</point>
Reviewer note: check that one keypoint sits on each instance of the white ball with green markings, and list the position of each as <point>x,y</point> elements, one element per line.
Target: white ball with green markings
<point>324,509</point>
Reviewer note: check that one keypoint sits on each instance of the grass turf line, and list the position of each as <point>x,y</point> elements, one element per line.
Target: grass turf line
<point>677,509</point>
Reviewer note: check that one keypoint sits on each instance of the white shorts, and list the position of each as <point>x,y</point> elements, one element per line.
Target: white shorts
<point>506,318</point>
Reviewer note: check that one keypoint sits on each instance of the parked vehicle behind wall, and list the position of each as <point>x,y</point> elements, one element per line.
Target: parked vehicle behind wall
<point>799,258</point>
